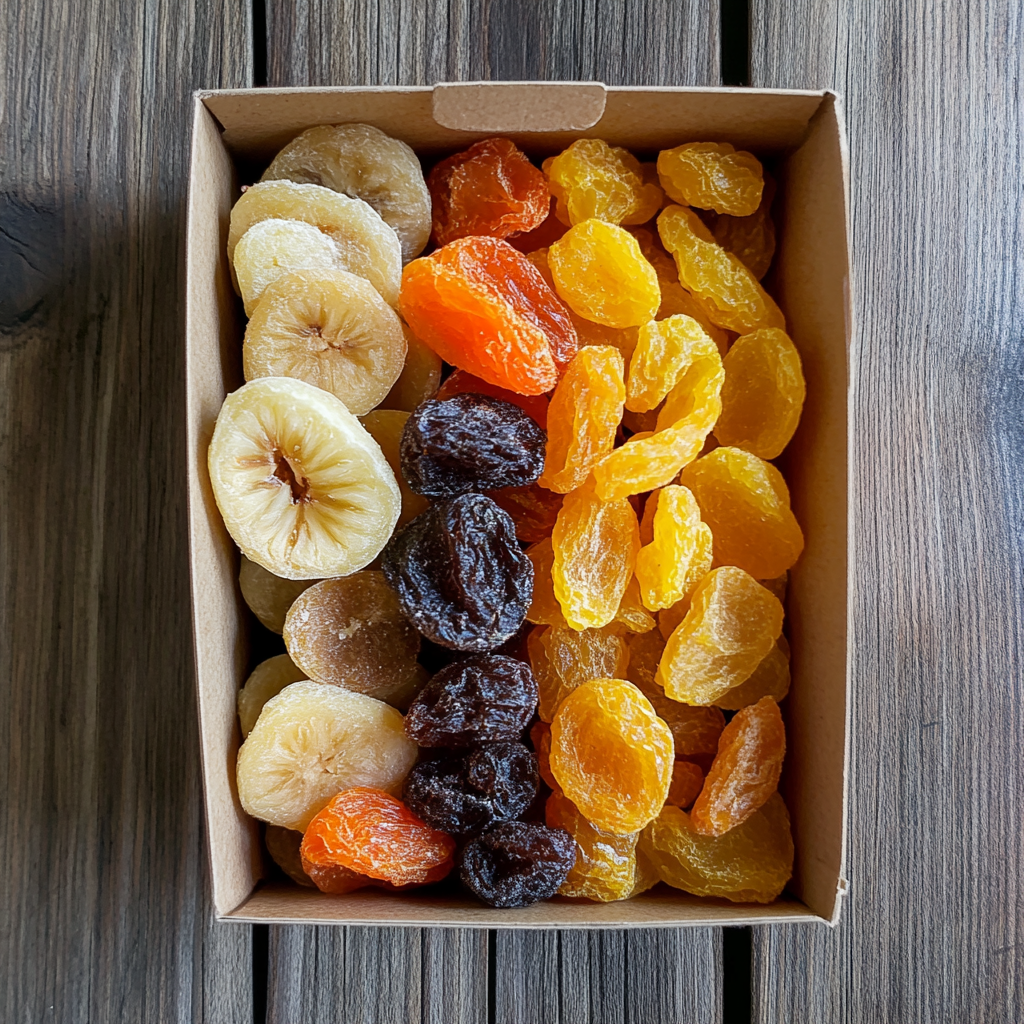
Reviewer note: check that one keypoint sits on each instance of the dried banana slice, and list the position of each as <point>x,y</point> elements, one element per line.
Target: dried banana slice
<point>363,162</point>
<point>304,490</point>
<point>366,246</point>
<point>330,329</point>
<point>267,680</point>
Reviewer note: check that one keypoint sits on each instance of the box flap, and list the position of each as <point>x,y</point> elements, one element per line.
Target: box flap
<point>519,106</point>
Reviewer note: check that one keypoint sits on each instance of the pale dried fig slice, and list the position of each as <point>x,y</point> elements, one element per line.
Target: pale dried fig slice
<point>268,596</point>
<point>303,488</point>
<point>330,329</point>
<point>267,680</point>
<point>363,162</point>
<point>366,246</point>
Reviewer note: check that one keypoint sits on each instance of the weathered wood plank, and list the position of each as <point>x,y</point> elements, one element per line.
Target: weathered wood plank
<point>934,99</point>
<point>103,891</point>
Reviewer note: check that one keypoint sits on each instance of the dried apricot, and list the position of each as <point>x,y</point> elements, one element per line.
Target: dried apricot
<point>751,238</point>
<point>489,189</point>
<point>483,307</point>
<point>745,771</point>
<point>601,274</point>
<point>632,616</point>
<point>460,381</point>
<point>540,737</point>
<point>533,509</point>
<point>687,780</point>
<point>712,175</point>
<point>370,832</point>
<point>611,755</point>
<point>771,678</point>
<point>763,393</point>
<point>732,624</point>
<point>550,230</point>
<point>544,607</point>
<point>745,501</point>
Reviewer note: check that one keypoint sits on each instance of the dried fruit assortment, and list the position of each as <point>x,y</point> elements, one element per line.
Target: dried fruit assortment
<point>564,557</point>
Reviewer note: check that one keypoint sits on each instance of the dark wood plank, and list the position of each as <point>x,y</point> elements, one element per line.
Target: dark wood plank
<point>651,977</point>
<point>103,887</point>
<point>934,102</point>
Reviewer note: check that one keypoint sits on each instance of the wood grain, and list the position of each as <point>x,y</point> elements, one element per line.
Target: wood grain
<point>103,882</point>
<point>934,96</point>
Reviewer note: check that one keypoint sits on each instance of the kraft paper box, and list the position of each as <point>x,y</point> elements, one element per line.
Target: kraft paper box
<point>235,134</point>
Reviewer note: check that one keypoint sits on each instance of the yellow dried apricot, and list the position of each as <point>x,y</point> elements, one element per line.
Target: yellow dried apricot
<point>745,771</point>
<point>712,176</point>
<point>745,501</point>
<point>632,616</point>
<point>611,755</point>
<point>601,274</point>
<point>771,678</point>
<point>687,780</point>
<point>751,238</point>
<point>664,351</point>
<point>544,608</point>
<point>763,393</point>
<point>732,624</point>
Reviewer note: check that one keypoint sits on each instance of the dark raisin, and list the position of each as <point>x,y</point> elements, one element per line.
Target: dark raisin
<point>468,443</point>
<point>460,575</point>
<point>518,863</point>
<point>485,698</point>
<point>467,795</point>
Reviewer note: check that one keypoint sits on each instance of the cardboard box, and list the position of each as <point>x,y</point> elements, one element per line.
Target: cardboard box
<point>235,134</point>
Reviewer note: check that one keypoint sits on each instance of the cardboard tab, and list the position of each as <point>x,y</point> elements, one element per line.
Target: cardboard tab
<point>519,106</point>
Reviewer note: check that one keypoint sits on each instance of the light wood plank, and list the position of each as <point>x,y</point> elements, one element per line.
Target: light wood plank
<point>103,892</point>
<point>934,100</point>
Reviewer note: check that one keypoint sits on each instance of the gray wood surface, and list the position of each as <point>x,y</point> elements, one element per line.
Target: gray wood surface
<point>104,913</point>
<point>934,92</point>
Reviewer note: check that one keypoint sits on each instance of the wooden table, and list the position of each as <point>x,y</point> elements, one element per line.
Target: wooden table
<point>104,905</point>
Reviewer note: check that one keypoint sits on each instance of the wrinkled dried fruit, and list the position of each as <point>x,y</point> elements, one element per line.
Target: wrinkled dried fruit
<point>419,378</point>
<point>611,755</point>
<point>605,867</point>
<point>751,238</point>
<point>730,294</point>
<point>745,501</point>
<point>483,698</point>
<point>283,845</point>
<point>483,307</point>
<point>670,618</point>
<point>267,680</point>
<point>470,443</point>
<point>369,831</point>
<point>564,658</point>
<point>550,230</point>
<point>750,863</point>
<point>517,863</point>
<point>385,426</point>
<point>745,771</point>
<point>632,615</point>
<point>364,163</point>
<point>489,189</point>
<point>593,179</point>
<point>534,510</point>
<point>365,245</point>
<point>544,608</point>
<point>584,414</point>
<point>330,329</point>
<point>732,624</point>
<point>763,393</point>
<point>540,737</point>
<point>647,876</point>
<point>351,632</point>
<point>771,678</point>
<point>459,382</point>
<point>712,176</point>
<point>595,544</point>
<point>302,487</point>
<point>460,575</point>
<point>312,741</point>
<point>679,555</point>
<point>665,351</point>
<point>268,596</point>
<point>601,274</point>
<point>467,795</point>
<point>687,780</point>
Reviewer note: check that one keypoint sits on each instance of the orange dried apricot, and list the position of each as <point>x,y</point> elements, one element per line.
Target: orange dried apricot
<point>632,616</point>
<point>687,780</point>
<point>483,307</point>
<point>611,755</point>
<point>372,833</point>
<point>595,544</point>
<point>745,501</point>
<point>489,189</point>
<point>732,624</point>
<point>730,294</point>
<point>712,175</point>
<point>584,413</point>
<point>763,393</point>
<point>550,230</point>
<point>745,771</point>
<point>771,678</point>
<point>751,238</point>
<point>460,381</point>
<point>602,275</point>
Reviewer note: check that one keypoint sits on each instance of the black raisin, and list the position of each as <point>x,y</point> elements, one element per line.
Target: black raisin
<point>460,575</point>
<point>518,863</point>
<point>485,698</point>
<point>468,443</point>
<point>467,795</point>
